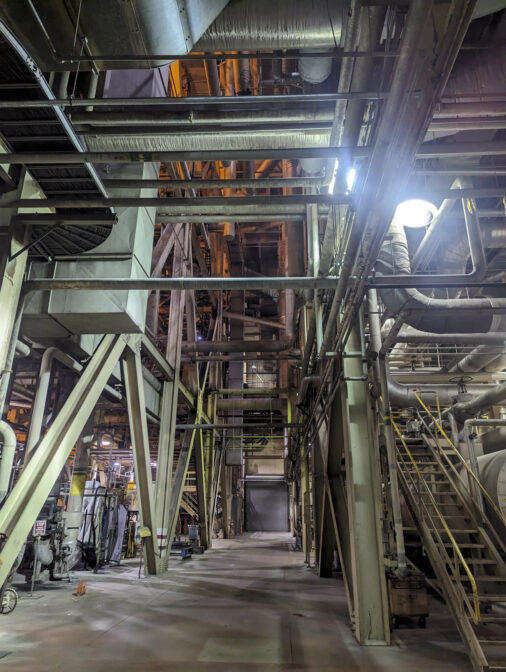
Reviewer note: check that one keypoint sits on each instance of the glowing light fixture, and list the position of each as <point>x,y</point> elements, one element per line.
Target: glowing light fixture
<point>415,213</point>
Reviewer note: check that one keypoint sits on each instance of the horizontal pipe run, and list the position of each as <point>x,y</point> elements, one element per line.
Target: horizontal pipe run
<point>188,101</point>
<point>258,183</point>
<point>287,53</point>
<point>65,158</point>
<point>241,357</point>
<point>219,101</point>
<point>252,390</point>
<point>236,346</point>
<point>220,219</point>
<point>428,151</point>
<point>277,283</point>
<point>416,337</point>
<point>243,426</point>
<point>241,317</point>
<point>196,204</point>
<point>458,171</point>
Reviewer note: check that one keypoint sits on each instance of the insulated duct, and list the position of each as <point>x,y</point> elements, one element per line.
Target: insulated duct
<point>48,31</point>
<point>8,438</point>
<point>471,408</point>
<point>250,25</point>
<point>424,312</point>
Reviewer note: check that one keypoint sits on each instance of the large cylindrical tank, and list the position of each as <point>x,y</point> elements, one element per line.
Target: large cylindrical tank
<point>493,477</point>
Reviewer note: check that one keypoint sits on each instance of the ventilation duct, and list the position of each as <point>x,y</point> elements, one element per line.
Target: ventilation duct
<point>47,28</point>
<point>285,24</point>
<point>423,312</point>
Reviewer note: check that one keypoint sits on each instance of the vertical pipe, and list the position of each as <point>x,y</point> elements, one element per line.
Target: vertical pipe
<point>375,331</point>
<point>8,452</point>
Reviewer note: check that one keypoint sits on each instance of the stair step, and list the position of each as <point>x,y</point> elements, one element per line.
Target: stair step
<point>492,598</point>
<point>480,561</point>
<point>493,642</point>
<point>485,579</point>
<point>447,544</point>
<point>457,531</point>
<point>492,619</point>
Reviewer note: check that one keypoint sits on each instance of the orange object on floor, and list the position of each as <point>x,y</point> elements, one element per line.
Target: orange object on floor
<point>81,589</point>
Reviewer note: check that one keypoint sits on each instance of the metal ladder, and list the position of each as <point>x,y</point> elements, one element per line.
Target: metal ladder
<point>466,553</point>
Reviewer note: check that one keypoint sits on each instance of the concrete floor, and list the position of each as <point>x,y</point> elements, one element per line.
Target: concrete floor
<point>249,604</point>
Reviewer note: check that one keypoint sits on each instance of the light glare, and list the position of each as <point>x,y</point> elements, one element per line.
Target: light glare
<point>415,213</point>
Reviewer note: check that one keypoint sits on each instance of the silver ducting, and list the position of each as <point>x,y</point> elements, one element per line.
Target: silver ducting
<point>424,312</point>
<point>8,438</point>
<point>263,24</point>
<point>470,409</point>
<point>47,29</point>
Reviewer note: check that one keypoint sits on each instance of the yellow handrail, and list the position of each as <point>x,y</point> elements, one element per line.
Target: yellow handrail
<point>476,599</point>
<point>463,461</point>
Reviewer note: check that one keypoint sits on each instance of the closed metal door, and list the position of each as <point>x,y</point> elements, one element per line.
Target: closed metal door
<point>266,506</point>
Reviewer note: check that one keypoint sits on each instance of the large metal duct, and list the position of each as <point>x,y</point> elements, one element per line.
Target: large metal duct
<point>424,312</point>
<point>47,29</point>
<point>262,24</point>
<point>492,468</point>
<point>248,25</point>
<point>469,409</point>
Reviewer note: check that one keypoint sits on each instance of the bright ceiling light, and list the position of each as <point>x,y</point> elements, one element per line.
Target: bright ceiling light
<point>415,213</point>
<point>333,180</point>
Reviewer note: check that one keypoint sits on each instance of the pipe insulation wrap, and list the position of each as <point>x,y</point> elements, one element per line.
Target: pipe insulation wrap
<point>429,314</point>
<point>492,468</point>
<point>8,438</point>
<point>250,25</point>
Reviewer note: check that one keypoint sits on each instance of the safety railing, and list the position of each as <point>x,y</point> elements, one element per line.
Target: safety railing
<point>458,560</point>
<point>470,473</point>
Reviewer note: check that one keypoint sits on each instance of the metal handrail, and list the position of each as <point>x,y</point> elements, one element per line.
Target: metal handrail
<point>470,472</point>
<point>455,546</point>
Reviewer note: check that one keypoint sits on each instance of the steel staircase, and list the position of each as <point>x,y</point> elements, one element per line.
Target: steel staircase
<point>190,505</point>
<point>466,552</point>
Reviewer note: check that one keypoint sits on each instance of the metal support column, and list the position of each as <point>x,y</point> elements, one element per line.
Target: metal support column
<point>134,387</point>
<point>364,507</point>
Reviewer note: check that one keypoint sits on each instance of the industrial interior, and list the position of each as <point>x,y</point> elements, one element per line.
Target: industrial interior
<point>252,335</point>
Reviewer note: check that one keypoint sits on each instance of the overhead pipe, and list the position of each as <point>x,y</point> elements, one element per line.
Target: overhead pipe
<point>427,151</point>
<point>440,315</point>
<point>410,335</point>
<point>240,183</point>
<point>22,349</point>
<point>394,282</point>
<point>237,346</point>
<point>468,409</point>
<point>201,204</point>
<point>403,395</point>
<point>42,390</point>
<point>256,25</point>
<point>197,101</point>
<point>8,438</point>
<point>304,386</point>
<point>202,118</point>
